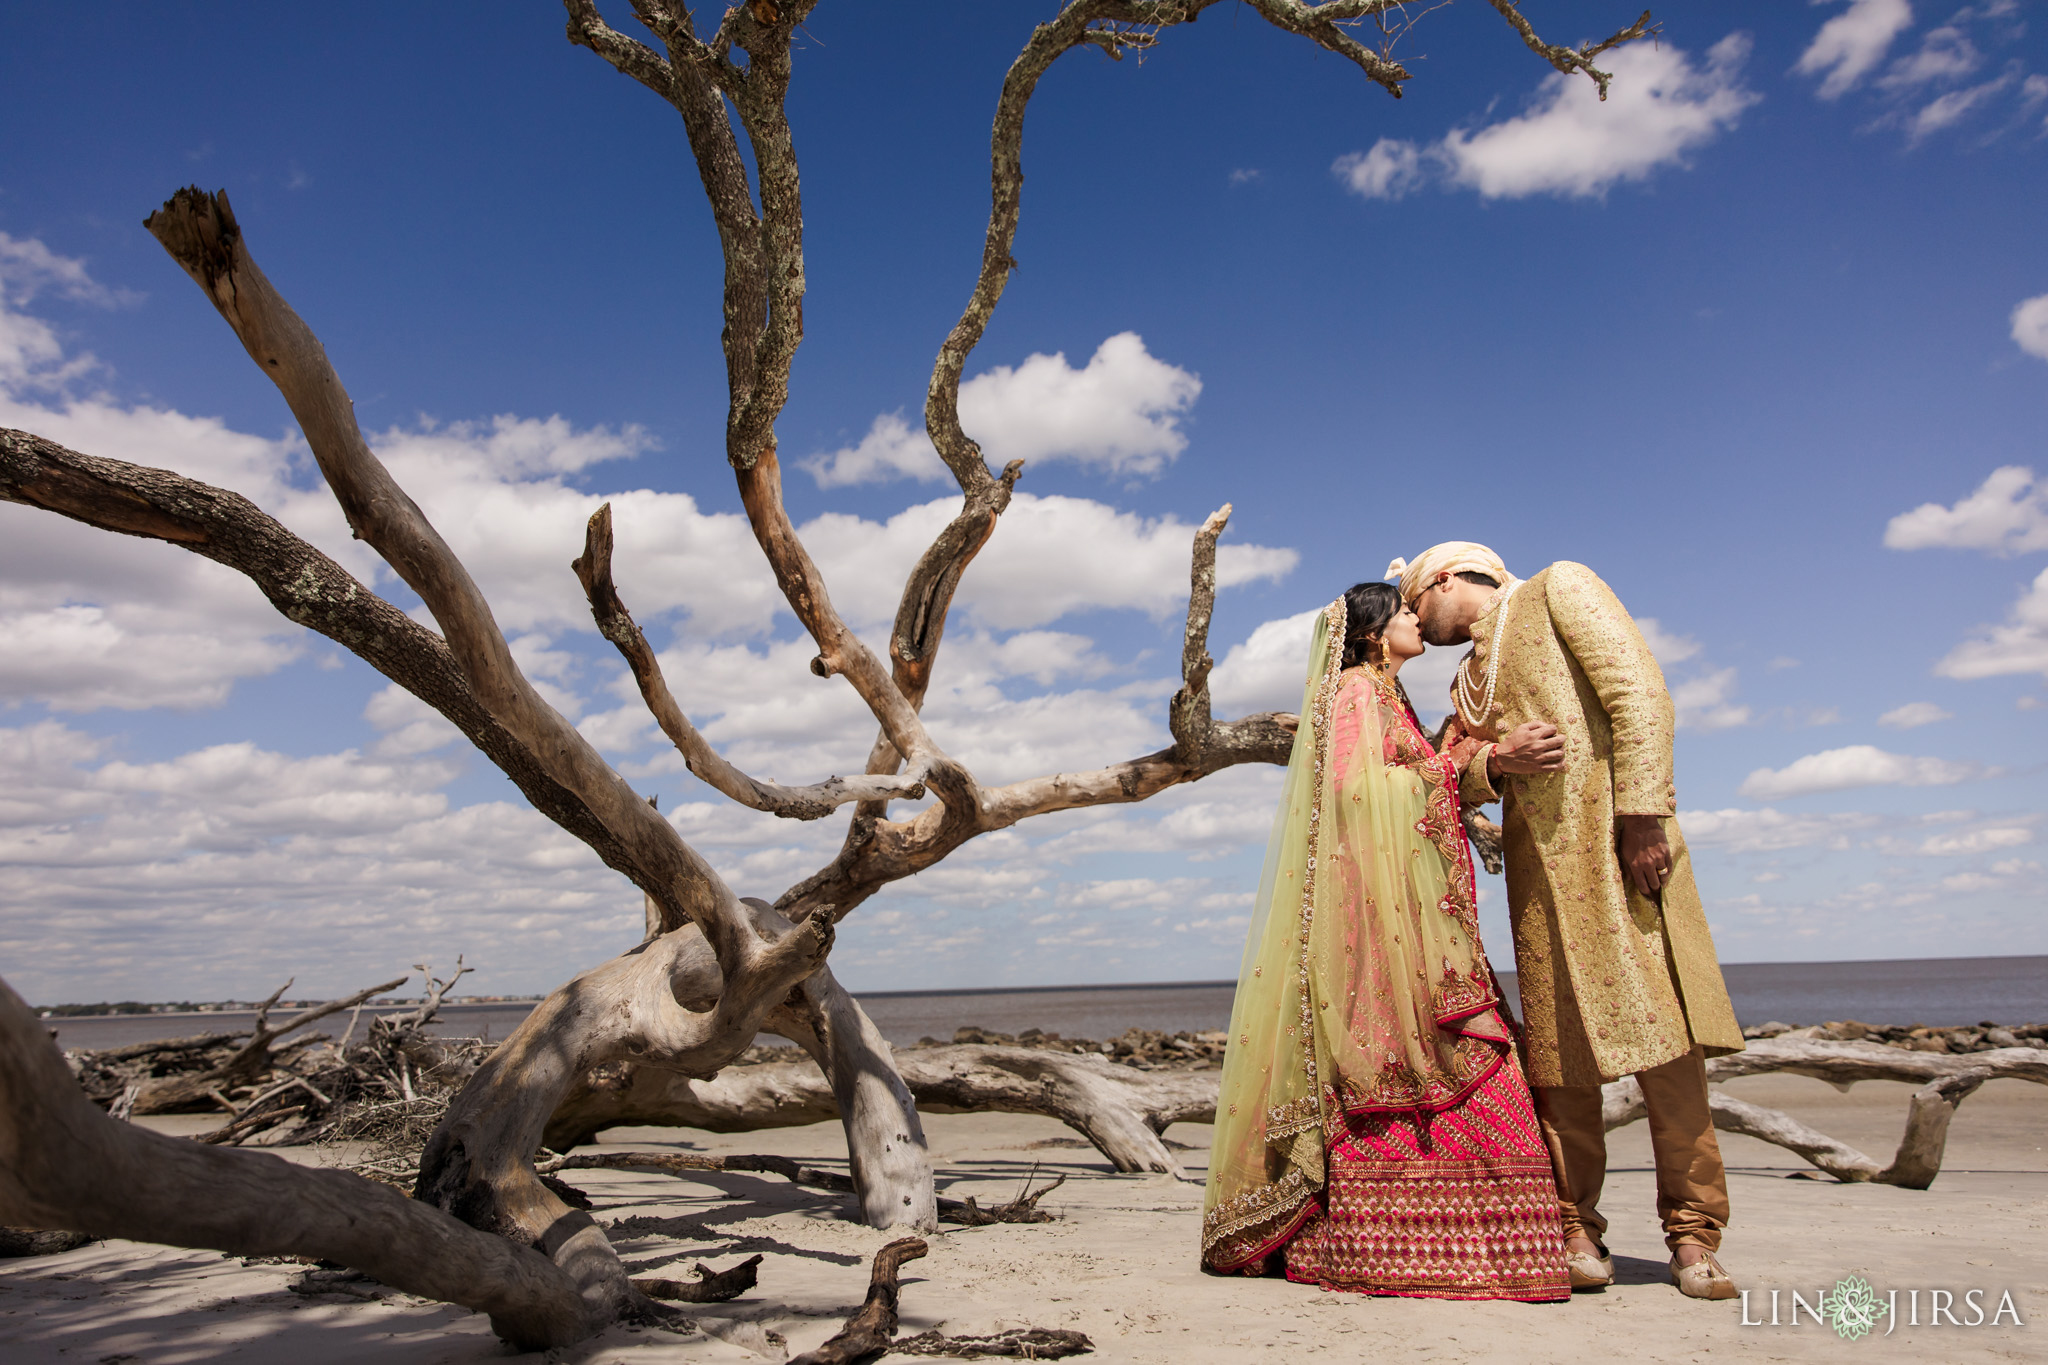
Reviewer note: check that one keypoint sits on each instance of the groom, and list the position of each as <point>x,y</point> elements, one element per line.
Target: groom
<point>1563,717</point>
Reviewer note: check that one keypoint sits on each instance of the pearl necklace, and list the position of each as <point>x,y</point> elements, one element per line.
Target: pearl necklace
<point>1474,702</point>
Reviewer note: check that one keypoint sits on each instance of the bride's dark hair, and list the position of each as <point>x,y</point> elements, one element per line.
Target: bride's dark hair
<point>1368,608</point>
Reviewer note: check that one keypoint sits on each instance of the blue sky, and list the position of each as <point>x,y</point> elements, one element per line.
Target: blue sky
<point>1754,339</point>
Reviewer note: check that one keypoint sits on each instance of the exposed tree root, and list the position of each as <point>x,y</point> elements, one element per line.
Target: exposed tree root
<point>870,1333</point>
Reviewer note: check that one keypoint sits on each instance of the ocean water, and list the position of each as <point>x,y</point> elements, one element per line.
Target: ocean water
<point>1936,991</point>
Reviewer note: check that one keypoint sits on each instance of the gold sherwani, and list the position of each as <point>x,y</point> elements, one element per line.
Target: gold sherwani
<point>1611,985</point>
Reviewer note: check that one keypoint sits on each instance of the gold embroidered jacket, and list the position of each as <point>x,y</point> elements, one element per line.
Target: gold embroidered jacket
<point>1611,983</point>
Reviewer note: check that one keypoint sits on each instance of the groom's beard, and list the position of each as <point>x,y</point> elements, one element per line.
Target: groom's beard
<point>1444,633</point>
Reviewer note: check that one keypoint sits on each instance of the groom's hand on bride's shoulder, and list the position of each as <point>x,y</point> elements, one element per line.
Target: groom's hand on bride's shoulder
<point>1531,747</point>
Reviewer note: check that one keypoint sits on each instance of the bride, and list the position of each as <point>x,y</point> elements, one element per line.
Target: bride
<point>1375,1132</point>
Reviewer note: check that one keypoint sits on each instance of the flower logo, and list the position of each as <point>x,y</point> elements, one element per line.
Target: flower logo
<point>1852,1308</point>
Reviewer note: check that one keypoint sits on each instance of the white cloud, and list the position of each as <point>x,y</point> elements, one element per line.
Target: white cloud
<point>2002,876</point>
<point>1988,840</point>
<point>1913,715</point>
<point>2018,646</point>
<point>1703,703</point>
<point>1390,170</point>
<point>1945,53</point>
<point>1924,91</point>
<point>127,623</point>
<point>408,725</point>
<point>130,656</point>
<point>1944,111</point>
<point>31,354</point>
<point>225,870</point>
<point>892,449</point>
<point>1767,830</point>
<point>1858,765</point>
<point>1852,42</point>
<point>2030,324</point>
<point>2008,514</point>
<point>1266,671</point>
<point>1049,556</point>
<point>1660,107</point>
<point>1120,413</point>
<point>1669,648</point>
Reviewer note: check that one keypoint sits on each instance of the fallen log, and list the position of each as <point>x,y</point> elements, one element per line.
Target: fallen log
<point>1946,1080</point>
<point>1023,1209</point>
<point>1120,1110</point>
<point>66,1165</point>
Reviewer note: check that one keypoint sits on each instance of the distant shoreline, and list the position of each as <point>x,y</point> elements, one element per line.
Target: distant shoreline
<point>2001,965</point>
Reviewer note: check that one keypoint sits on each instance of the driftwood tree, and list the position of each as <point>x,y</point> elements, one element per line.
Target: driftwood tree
<point>715,968</point>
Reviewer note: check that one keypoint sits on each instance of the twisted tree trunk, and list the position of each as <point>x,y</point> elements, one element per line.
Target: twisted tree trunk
<point>65,1164</point>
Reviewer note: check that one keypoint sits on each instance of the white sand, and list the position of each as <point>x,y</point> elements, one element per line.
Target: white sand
<point>1120,1263</point>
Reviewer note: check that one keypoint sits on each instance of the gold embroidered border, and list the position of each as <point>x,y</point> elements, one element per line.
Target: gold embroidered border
<point>1335,618</point>
<point>1247,1227</point>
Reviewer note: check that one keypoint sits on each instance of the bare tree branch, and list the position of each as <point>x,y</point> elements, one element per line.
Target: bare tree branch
<point>879,851</point>
<point>840,651</point>
<point>1324,25</point>
<point>1569,60</point>
<point>1187,715</point>
<point>200,233</point>
<point>615,623</point>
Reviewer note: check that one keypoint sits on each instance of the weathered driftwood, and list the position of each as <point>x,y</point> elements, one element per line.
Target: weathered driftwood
<point>710,1286</point>
<point>41,1242</point>
<point>169,1094</point>
<point>1945,1081</point>
<point>1023,1209</point>
<point>1016,1343</point>
<point>870,1333</point>
<point>64,1164</point>
<point>1119,1109</point>
<point>964,1212</point>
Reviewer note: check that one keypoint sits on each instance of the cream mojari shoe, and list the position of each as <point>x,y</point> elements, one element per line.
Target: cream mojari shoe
<point>1703,1279</point>
<point>1588,1271</point>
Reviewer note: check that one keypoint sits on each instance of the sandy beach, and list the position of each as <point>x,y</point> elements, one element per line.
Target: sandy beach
<point>1120,1263</point>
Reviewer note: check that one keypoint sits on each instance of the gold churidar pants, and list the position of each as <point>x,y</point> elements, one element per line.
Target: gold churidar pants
<point>1692,1185</point>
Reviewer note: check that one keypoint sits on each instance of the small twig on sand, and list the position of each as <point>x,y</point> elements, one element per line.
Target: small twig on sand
<point>1019,1343</point>
<point>1023,1209</point>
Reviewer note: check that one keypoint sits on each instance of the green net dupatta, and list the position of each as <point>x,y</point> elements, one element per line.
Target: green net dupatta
<point>1364,987</point>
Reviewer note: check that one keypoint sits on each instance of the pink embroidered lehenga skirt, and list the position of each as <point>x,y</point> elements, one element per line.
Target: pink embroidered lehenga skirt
<point>1452,1203</point>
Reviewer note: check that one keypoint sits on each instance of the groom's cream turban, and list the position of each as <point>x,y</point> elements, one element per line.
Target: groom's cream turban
<point>1453,556</point>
